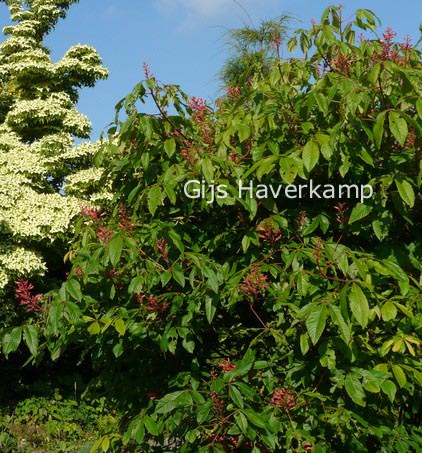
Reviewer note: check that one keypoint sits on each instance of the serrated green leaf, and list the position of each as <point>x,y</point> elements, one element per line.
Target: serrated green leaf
<point>244,132</point>
<point>246,242</point>
<point>288,169</point>
<point>154,199</point>
<point>406,192</point>
<point>292,44</point>
<point>212,281</point>
<point>120,326</point>
<point>254,418</point>
<point>242,422</point>
<point>302,283</point>
<point>236,396</point>
<point>310,155</point>
<point>177,240</point>
<point>74,289</point>
<point>170,147</point>
<point>399,374</point>
<point>316,322</point>
<point>398,127</point>
<point>381,225</point>
<point>265,166</point>
<point>30,336</point>
<point>378,130</point>
<point>388,311</point>
<point>179,277</point>
<point>210,310</point>
<point>171,401</point>
<point>374,73</point>
<point>105,444</point>
<point>390,389</point>
<point>94,328</point>
<point>11,340</point>
<point>118,350</point>
<point>338,320</point>
<point>207,169</point>
<point>359,305</point>
<point>150,425</point>
<point>73,312</point>
<point>354,389</point>
<point>55,313</point>
<point>419,107</point>
<point>304,343</point>
<point>359,212</point>
<point>115,247</point>
<point>203,412</point>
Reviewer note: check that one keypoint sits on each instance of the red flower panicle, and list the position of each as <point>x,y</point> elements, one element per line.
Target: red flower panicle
<point>284,398</point>
<point>125,221</point>
<point>233,92</point>
<point>268,232</point>
<point>95,214</point>
<point>218,403</point>
<point>163,248</point>
<point>104,234</point>
<point>147,71</point>
<point>26,299</point>
<point>151,303</point>
<point>199,114</point>
<point>79,271</point>
<point>391,51</point>
<point>341,210</point>
<point>254,283</point>
<point>227,366</point>
<point>199,107</point>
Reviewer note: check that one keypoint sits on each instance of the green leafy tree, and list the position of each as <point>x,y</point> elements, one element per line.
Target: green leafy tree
<point>253,50</point>
<point>263,322</point>
<point>43,175</point>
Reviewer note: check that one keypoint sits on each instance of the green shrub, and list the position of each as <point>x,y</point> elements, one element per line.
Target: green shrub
<point>260,324</point>
<point>55,424</point>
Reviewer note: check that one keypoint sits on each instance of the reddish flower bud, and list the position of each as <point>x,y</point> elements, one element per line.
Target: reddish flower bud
<point>23,294</point>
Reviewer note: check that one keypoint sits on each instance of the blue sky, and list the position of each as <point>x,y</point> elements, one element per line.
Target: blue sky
<point>182,40</point>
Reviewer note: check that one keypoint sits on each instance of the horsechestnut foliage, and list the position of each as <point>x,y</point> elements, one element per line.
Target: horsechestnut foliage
<point>250,324</point>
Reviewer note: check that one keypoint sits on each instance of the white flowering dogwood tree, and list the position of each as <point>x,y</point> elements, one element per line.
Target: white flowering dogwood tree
<point>44,175</point>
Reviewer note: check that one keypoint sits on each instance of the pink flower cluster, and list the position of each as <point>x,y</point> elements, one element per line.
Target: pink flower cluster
<point>125,221</point>
<point>254,283</point>
<point>227,366</point>
<point>218,403</point>
<point>104,234</point>
<point>152,304</point>
<point>268,232</point>
<point>284,398</point>
<point>199,107</point>
<point>163,248</point>
<point>95,214</point>
<point>390,52</point>
<point>23,294</point>
<point>147,71</point>
<point>233,92</point>
<point>233,442</point>
<point>341,208</point>
<point>200,111</point>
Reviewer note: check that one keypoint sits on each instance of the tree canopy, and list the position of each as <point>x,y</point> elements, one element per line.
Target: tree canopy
<point>38,125</point>
<point>263,322</point>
